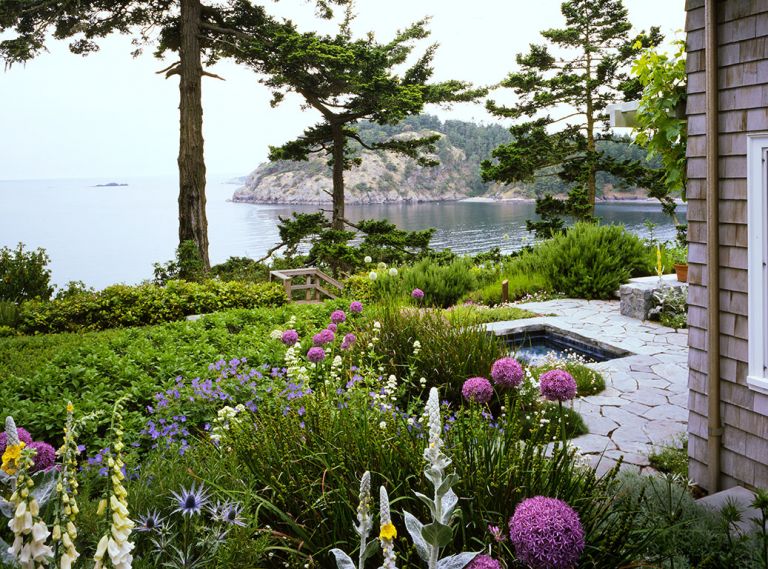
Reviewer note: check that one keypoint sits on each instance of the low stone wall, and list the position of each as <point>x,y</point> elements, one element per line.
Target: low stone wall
<point>637,295</point>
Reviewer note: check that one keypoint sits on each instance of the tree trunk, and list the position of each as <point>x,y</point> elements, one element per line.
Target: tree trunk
<point>339,142</point>
<point>193,224</point>
<point>591,147</point>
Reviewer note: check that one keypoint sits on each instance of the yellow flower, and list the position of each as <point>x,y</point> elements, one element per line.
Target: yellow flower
<point>11,457</point>
<point>70,407</point>
<point>388,531</point>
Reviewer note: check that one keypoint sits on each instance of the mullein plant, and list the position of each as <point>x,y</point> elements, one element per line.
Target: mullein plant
<point>363,529</point>
<point>114,547</point>
<point>429,539</point>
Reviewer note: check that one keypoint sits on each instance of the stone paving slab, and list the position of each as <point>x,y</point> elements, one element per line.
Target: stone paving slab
<point>644,405</point>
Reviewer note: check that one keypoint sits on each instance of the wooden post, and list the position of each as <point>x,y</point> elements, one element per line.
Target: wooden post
<point>308,295</point>
<point>504,291</point>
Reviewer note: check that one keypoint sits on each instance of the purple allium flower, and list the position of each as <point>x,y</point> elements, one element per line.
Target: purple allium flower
<point>338,316</point>
<point>507,372</point>
<point>191,502</point>
<point>45,457</point>
<point>484,562</point>
<point>477,389</point>
<point>323,337</point>
<point>348,341</point>
<point>356,307</point>
<point>546,533</point>
<point>24,437</point>
<point>290,337</point>
<point>316,354</point>
<point>332,327</point>
<point>417,293</point>
<point>496,532</point>
<point>557,385</point>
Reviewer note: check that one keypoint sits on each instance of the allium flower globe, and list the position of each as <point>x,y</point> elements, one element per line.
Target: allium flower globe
<point>356,307</point>
<point>290,337</point>
<point>338,316</point>
<point>393,272</point>
<point>316,354</point>
<point>417,293</point>
<point>368,259</point>
<point>45,457</point>
<point>477,389</point>
<point>348,341</point>
<point>484,562</point>
<point>373,275</point>
<point>546,533</point>
<point>24,437</point>
<point>323,337</point>
<point>332,327</point>
<point>507,372</point>
<point>557,385</point>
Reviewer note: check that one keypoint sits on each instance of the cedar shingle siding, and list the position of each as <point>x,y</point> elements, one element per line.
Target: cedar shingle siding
<point>743,83</point>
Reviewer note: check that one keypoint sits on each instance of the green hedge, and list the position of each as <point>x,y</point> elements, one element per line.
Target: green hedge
<point>120,306</point>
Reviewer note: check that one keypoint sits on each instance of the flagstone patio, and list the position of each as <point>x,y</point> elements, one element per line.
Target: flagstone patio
<point>644,405</point>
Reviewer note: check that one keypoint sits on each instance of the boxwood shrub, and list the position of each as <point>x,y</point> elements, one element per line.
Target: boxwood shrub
<point>119,306</point>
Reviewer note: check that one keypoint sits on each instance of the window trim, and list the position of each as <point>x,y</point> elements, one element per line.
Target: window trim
<point>757,238</point>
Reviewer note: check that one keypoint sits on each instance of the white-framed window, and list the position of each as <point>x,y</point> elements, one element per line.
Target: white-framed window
<point>757,231</point>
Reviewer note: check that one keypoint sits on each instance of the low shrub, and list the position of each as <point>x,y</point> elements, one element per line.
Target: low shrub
<point>520,285</point>
<point>24,275</point>
<point>589,261</point>
<point>672,458</point>
<point>241,269</point>
<point>449,353</point>
<point>670,306</point>
<point>471,314</point>
<point>443,284</point>
<point>122,305</point>
<point>588,380</point>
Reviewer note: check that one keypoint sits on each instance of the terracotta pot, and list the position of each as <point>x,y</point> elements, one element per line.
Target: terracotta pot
<point>682,272</point>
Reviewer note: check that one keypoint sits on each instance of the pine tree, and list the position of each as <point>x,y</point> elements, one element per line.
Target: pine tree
<point>562,90</point>
<point>348,80</point>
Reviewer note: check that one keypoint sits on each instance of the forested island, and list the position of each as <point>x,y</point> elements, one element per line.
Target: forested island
<point>384,177</point>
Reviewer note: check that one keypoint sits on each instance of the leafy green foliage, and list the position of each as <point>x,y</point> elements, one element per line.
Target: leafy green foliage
<point>593,73</point>
<point>471,314</point>
<point>449,354</point>
<point>671,306</point>
<point>122,305</point>
<point>443,284</point>
<point>588,380</point>
<point>590,261</point>
<point>660,127</point>
<point>24,275</point>
<point>520,285</point>
<point>96,368</point>
<point>187,266</point>
<point>672,458</point>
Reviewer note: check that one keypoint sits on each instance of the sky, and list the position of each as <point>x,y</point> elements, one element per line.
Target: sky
<point>111,116</point>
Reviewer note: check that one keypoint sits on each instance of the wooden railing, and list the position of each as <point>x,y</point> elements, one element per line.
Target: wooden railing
<point>313,279</point>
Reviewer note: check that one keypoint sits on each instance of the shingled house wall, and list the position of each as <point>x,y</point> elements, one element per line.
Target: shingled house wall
<point>743,85</point>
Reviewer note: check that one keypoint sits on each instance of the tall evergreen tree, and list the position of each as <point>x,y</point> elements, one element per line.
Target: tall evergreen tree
<point>190,28</point>
<point>348,80</point>
<point>563,88</point>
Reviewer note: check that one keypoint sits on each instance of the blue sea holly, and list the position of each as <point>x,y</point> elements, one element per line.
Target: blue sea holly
<point>191,502</point>
<point>151,521</point>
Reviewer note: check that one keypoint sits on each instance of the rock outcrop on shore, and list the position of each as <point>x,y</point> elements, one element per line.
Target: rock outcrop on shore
<point>382,177</point>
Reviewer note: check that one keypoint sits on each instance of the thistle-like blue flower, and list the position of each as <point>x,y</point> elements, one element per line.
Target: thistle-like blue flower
<point>230,514</point>
<point>151,521</point>
<point>191,502</point>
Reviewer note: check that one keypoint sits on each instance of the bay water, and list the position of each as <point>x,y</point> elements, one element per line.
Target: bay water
<point>107,235</point>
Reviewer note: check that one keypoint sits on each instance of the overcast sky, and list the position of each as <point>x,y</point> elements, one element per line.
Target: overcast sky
<point>110,116</point>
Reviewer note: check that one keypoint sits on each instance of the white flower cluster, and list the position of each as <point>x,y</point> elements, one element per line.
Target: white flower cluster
<point>335,373</point>
<point>276,334</point>
<point>295,369</point>
<point>225,418</point>
<point>30,531</point>
<point>416,347</point>
<point>115,543</point>
<point>64,529</point>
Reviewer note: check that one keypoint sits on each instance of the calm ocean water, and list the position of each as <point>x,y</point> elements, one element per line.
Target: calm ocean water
<point>104,235</point>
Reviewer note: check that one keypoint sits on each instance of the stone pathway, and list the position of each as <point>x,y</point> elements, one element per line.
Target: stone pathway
<point>645,403</point>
